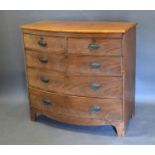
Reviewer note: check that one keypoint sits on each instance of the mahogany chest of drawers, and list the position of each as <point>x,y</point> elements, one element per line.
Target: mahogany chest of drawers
<point>81,72</point>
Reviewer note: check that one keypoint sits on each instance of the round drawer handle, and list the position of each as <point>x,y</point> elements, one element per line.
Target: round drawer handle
<point>95,65</point>
<point>44,79</point>
<point>95,108</point>
<point>93,46</point>
<point>43,59</point>
<point>95,86</point>
<point>42,42</point>
<point>45,101</point>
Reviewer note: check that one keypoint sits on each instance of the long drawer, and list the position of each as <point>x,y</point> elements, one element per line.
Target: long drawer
<point>80,107</point>
<point>103,87</point>
<point>75,65</point>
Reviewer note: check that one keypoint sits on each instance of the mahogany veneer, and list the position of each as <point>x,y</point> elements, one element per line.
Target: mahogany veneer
<point>81,72</point>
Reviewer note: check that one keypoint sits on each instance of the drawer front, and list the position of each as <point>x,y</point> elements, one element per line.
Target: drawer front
<point>44,43</point>
<point>44,60</point>
<point>94,46</point>
<point>94,65</point>
<point>103,87</point>
<point>80,107</point>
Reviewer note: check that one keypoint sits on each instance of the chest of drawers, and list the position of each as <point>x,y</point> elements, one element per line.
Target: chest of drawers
<point>81,72</point>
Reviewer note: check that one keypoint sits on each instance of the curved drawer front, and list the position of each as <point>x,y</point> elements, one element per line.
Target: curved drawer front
<point>79,107</point>
<point>44,43</point>
<point>93,65</point>
<point>94,46</point>
<point>46,61</point>
<point>103,87</point>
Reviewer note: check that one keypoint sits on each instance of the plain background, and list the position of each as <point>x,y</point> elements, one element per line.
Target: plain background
<point>12,76</point>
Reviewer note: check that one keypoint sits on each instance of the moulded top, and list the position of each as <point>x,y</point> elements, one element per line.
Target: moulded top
<point>80,26</point>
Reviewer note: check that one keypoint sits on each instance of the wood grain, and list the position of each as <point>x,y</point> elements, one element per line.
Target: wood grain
<point>66,94</point>
<point>76,121</point>
<point>55,44</point>
<point>80,26</point>
<point>106,46</point>
<point>74,34</point>
<point>79,107</point>
<point>75,65</point>
<point>83,65</point>
<point>56,62</point>
<point>129,63</point>
<point>111,87</point>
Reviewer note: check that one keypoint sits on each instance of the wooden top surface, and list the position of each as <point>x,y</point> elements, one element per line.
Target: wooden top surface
<point>80,26</point>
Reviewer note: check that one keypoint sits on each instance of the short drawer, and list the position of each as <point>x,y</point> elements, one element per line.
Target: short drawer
<point>44,43</point>
<point>94,65</point>
<point>45,60</point>
<point>94,46</point>
<point>103,87</point>
<point>79,107</point>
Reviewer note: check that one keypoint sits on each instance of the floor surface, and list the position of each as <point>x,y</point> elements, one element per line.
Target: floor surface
<point>16,128</point>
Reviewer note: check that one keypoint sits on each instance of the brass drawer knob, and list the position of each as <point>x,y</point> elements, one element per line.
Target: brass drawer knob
<point>44,79</point>
<point>95,108</point>
<point>45,101</point>
<point>42,42</point>
<point>43,59</point>
<point>95,86</point>
<point>93,46</point>
<point>95,65</point>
